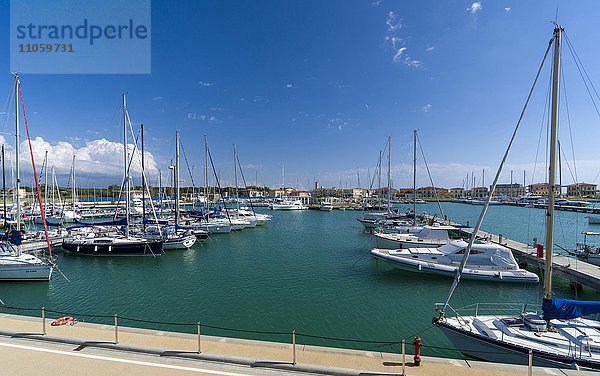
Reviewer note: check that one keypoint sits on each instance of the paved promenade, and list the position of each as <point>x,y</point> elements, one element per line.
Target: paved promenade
<point>89,349</point>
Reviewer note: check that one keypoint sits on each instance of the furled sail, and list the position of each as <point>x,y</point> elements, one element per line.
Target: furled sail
<point>565,309</point>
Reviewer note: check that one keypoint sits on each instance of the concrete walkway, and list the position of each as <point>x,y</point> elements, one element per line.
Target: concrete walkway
<point>26,351</point>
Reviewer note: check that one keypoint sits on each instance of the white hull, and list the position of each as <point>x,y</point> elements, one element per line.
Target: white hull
<point>184,242</point>
<point>41,272</point>
<point>326,208</point>
<point>492,351</point>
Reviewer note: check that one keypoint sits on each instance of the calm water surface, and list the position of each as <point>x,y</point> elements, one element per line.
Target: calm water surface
<point>306,270</point>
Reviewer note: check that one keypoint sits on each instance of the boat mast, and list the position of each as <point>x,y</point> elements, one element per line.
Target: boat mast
<point>415,177</point>
<point>45,180</point>
<point>126,173</point>
<point>389,174</point>
<point>160,191</point>
<point>4,187</point>
<point>17,140</point>
<point>552,165</point>
<point>237,199</point>
<point>206,175</point>
<point>143,182</point>
<point>73,185</point>
<point>176,177</point>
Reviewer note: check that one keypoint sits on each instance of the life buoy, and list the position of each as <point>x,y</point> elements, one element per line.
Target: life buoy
<point>65,320</point>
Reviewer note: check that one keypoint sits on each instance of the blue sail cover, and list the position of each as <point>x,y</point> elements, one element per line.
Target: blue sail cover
<point>565,309</point>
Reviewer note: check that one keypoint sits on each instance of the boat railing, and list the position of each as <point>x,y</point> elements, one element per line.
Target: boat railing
<point>493,309</point>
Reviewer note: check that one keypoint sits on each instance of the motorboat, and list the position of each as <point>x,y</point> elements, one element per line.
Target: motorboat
<point>326,206</point>
<point>487,261</point>
<point>586,252</point>
<point>287,205</point>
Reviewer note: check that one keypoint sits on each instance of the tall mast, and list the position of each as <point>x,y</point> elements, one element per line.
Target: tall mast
<point>160,190</point>
<point>206,173</point>
<point>143,182</point>
<point>126,173</point>
<point>389,184</point>
<point>379,182</point>
<point>176,177</point>
<point>512,191</point>
<point>4,187</point>
<point>17,146</point>
<point>73,185</point>
<point>235,176</point>
<point>45,180</point>
<point>552,165</point>
<point>415,177</point>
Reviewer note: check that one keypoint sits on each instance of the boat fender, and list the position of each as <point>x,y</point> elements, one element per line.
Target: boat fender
<point>65,320</point>
<point>419,267</point>
<point>417,358</point>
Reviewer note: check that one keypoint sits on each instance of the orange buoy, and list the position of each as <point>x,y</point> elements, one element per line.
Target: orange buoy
<point>65,320</point>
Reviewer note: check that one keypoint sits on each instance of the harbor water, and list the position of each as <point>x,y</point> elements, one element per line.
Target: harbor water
<point>308,271</point>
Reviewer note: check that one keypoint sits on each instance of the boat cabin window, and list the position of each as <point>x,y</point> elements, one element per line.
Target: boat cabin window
<point>473,252</point>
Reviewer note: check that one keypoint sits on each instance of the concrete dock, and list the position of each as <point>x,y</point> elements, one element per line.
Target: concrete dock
<point>90,349</point>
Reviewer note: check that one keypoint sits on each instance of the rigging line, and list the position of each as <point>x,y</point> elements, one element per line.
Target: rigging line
<point>245,185</point>
<point>542,124</point>
<point>218,184</point>
<point>37,186</point>
<point>487,202</point>
<point>580,68</point>
<point>435,193</point>
<point>564,86</point>
<point>6,109</point>
<point>187,164</point>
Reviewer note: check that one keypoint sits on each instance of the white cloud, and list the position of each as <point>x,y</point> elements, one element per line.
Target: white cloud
<point>206,84</point>
<point>507,9</point>
<point>475,7</point>
<point>376,3</point>
<point>393,22</point>
<point>430,48</point>
<point>427,108</point>
<point>95,159</point>
<point>289,86</point>
<point>399,53</point>
<point>260,98</point>
<point>196,116</point>
<point>157,98</point>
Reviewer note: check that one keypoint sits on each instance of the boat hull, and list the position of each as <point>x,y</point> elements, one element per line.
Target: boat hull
<point>412,265</point>
<point>40,272</point>
<point>493,350</point>
<point>150,248</point>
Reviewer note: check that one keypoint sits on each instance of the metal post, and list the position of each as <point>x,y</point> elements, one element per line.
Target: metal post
<point>43,321</point>
<point>199,343</point>
<point>116,329</point>
<point>403,357</point>
<point>293,347</point>
<point>530,365</point>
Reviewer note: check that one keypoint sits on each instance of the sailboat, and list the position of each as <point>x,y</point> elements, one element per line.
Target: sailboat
<point>14,264</point>
<point>111,241</point>
<point>560,337</point>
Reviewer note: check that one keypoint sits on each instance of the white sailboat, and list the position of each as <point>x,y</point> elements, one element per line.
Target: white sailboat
<point>561,337</point>
<point>14,264</point>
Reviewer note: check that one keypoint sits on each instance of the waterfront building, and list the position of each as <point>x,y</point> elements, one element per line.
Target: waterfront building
<point>581,190</point>
<point>509,190</point>
<point>430,192</point>
<point>541,189</point>
<point>456,192</point>
<point>479,192</point>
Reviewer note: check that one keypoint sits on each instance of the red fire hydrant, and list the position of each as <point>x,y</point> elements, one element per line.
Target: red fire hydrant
<point>417,344</point>
<point>540,250</point>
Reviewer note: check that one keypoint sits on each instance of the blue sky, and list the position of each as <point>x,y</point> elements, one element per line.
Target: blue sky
<point>319,85</point>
